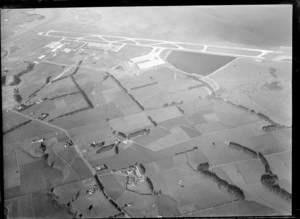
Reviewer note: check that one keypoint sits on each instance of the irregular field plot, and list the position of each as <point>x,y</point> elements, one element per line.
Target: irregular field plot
<point>142,205</point>
<point>11,119</point>
<point>32,129</point>
<point>198,63</point>
<point>11,177</point>
<point>236,208</point>
<point>10,161</point>
<point>177,135</point>
<point>171,123</point>
<point>130,123</point>
<point>163,114</point>
<point>111,185</point>
<point>263,196</point>
<point>266,144</point>
<point>252,170</point>
<point>210,127</point>
<point>38,175</point>
<point>95,115</point>
<point>190,130</point>
<point>129,156</point>
<point>71,156</point>
<point>155,133</point>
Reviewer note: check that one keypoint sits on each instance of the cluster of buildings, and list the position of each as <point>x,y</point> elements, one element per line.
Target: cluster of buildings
<point>133,173</point>
<point>91,191</point>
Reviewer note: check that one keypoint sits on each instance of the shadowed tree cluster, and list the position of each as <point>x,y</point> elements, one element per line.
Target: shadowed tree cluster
<point>242,148</point>
<point>223,184</point>
<point>139,133</point>
<point>270,181</point>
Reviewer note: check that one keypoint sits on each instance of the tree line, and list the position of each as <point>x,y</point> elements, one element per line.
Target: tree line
<point>223,184</point>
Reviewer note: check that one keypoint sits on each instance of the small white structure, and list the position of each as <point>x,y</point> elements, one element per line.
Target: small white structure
<point>149,60</point>
<point>67,50</point>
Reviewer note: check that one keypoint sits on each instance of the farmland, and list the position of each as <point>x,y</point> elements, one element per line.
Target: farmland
<point>98,126</point>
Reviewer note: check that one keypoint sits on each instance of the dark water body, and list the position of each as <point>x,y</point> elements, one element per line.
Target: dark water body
<point>198,63</point>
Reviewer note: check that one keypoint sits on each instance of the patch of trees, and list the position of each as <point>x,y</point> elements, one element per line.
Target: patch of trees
<point>3,79</point>
<point>64,95</point>
<point>143,168</point>
<point>105,148</point>
<point>265,163</point>
<point>271,128</point>
<point>270,181</point>
<point>43,147</point>
<point>242,148</point>
<point>139,133</point>
<point>16,78</point>
<point>88,101</point>
<point>121,135</point>
<point>264,117</point>
<point>183,152</point>
<point>17,96</point>
<point>223,184</point>
<point>137,102</point>
<point>48,79</point>
<point>45,156</point>
<point>70,113</point>
<point>149,183</point>
<point>97,144</point>
<point>145,85</point>
<point>121,214</point>
<point>172,104</point>
<point>24,107</point>
<point>16,127</point>
<point>242,107</point>
<point>106,77</point>
<point>272,72</point>
<point>180,110</point>
<point>115,204</point>
<point>117,149</point>
<point>260,115</point>
<point>274,85</point>
<point>152,121</point>
<point>203,166</point>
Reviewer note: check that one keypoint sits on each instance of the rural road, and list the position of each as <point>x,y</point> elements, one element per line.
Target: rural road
<point>63,130</point>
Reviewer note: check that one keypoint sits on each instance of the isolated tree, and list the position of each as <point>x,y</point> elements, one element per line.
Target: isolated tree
<point>45,156</point>
<point>43,146</point>
<point>90,208</point>
<point>77,195</point>
<point>117,149</point>
<point>203,166</point>
<point>52,164</point>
